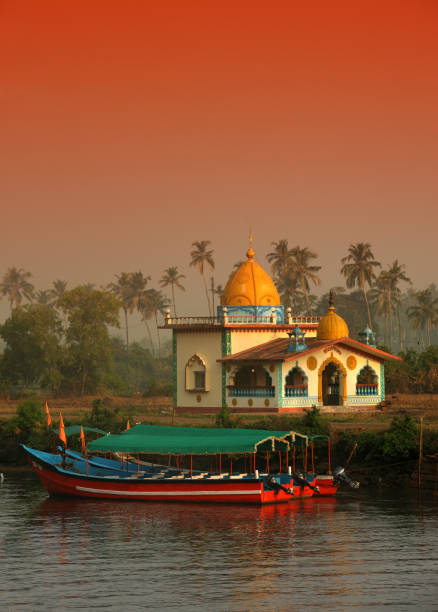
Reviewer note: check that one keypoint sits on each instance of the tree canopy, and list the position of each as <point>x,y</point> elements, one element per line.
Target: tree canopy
<point>89,313</point>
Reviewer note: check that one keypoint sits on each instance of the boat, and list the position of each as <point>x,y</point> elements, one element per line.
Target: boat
<point>69,473</point>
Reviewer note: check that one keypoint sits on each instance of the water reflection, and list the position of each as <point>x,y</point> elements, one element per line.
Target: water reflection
<point>334,553</point>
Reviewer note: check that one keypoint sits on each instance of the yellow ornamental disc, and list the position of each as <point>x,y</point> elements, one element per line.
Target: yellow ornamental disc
<point>351,362</point>
<point>312,363</point>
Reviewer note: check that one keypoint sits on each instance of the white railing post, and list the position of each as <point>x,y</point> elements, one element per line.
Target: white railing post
<point>273,316</point>
<point>225,315</point>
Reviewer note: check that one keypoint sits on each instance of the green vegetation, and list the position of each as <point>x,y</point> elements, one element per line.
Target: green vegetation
<point>27,427</point>
<point>68,349</point>
<point>33,353</point>
<point>417,373</point>
<point>388,454</point>
<point>225,419</point>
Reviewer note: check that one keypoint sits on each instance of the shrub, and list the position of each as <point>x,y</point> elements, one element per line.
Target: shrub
<point>224,418</point>
<point>103,417</point>
<point>401,439</point>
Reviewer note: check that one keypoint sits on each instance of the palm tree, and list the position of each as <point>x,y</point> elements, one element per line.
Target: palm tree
<point>158,303</point>
<point>59,288</point>
<point>386,296</point>
<point>43,297</point>
<point>286,282</point>
<point>201,255</point>
<point>16,286</point>
<point>304,272</point>
<point>396,274</point>
<point>425,312</point>
<point>280,258</point>
<point>358,269</point>
<point>172,277</point>
<point>144,307</point>
<point>128,288</point>
<point>381,297</point>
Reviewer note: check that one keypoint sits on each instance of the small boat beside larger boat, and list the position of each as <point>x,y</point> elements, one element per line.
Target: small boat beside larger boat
<point>72,474</point>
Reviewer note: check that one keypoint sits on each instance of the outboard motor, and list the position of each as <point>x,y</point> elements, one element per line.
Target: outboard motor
<point>339,475</point>
<point>302,482</point>
<point>272,481</point>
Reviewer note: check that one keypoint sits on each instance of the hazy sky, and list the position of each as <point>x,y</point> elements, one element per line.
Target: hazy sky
<point>131,129</point>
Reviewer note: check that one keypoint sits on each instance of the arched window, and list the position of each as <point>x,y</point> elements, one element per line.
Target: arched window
<point>296,383</point>
<point>195,374</point>
<point>367,382</point>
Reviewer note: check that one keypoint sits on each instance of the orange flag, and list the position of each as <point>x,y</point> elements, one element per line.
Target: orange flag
<point>82,440</point>
<point>128,426</point>
<point>61,434</point>
<point>49,418</point>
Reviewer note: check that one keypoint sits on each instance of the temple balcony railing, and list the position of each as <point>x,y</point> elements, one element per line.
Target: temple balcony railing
<point>295,391</point>
<point>192,321</point>
<point>240,320</point>
<point>243,391</point>
<point>300,319</point>
<point>366,389</point>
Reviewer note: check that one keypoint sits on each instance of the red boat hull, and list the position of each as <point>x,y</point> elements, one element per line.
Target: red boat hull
<point>241,491</point>
<point>326,485</point>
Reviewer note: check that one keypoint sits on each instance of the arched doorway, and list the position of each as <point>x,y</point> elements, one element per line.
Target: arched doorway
<point>332,385</point>
<point>251,381</point>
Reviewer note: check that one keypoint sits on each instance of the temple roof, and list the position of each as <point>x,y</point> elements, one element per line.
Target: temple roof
<point>276,350</point>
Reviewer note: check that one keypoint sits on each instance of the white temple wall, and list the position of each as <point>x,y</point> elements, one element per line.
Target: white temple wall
<point>208,347</point>
<point>242,340</point>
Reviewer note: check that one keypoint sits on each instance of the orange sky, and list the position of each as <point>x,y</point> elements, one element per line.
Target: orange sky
<point>130,129</point>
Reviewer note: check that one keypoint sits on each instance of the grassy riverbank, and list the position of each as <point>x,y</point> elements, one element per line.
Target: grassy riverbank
<point>159,410</point>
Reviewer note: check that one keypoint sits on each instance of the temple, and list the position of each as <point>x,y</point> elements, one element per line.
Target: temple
<point>255,356</point>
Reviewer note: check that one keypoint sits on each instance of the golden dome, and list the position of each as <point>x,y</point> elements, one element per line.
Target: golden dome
<point>331,325</point>
<point>250,285</point>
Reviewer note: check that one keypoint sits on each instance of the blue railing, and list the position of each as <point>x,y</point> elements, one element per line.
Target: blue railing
<point>234,391</point>
<point>295,390</point>
<point>366,389</point>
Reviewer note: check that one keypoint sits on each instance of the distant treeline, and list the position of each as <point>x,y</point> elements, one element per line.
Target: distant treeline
<point>417,373</point>
<point>68,350</point>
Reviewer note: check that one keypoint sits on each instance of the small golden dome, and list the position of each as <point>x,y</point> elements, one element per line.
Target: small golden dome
<point>332,326</point>
<point>250,285</point>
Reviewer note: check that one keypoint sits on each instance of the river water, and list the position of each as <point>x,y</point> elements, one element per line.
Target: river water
<point>360,550</point>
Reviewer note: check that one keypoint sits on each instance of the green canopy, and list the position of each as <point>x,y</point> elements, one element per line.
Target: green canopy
<point>76,429</point>
<point>306,440</point>
<point>192,440</point>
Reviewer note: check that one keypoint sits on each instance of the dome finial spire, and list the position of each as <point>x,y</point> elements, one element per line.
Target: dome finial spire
<point>250,251</point>
<point>331,326</point>
<point>332,299</point>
